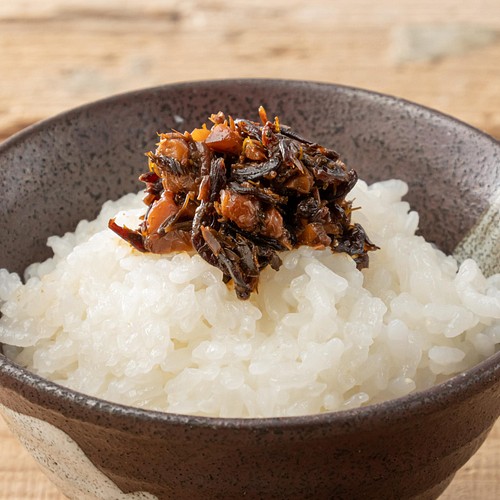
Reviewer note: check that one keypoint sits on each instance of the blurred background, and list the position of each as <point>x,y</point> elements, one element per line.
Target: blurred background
<point>57,54</point>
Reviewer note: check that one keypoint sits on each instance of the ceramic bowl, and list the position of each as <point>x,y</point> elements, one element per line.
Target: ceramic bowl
<point>61,170</point>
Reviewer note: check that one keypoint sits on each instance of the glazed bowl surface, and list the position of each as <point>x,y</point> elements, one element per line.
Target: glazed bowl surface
<point>60,171</point>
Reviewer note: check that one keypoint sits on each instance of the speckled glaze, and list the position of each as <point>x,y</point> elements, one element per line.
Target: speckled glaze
<point>61,170</point>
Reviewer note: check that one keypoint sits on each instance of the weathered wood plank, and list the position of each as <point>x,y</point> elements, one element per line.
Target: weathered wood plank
<point>55,57</point>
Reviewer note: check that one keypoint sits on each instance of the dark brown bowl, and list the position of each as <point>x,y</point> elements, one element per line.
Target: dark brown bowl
<point>61,170</point>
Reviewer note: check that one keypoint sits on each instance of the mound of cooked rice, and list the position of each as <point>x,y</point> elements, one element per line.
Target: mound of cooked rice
<point>165,333</point>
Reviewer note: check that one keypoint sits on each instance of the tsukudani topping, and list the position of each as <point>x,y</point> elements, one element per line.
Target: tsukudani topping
<point>240,192</point>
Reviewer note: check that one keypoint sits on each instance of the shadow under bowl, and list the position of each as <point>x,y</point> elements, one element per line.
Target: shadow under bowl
<point>61,170</point>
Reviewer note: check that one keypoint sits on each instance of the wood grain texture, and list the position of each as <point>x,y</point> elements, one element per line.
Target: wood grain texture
<point>58,54</point>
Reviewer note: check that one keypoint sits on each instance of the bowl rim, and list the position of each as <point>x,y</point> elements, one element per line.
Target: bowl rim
<point>457,388</point>
<point>202,83</point>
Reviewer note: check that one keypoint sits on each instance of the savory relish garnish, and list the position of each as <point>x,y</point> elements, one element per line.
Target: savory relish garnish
<point>240,192</point>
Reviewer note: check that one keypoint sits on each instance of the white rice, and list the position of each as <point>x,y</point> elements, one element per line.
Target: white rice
<point>165,333</point>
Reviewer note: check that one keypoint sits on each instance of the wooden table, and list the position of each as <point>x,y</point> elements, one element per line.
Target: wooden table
<point>57,54</point>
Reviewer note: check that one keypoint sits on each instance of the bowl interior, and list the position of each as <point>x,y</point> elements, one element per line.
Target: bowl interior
<point>62,170</point>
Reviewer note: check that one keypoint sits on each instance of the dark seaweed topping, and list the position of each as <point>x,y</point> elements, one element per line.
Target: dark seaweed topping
<point>240,192</point>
